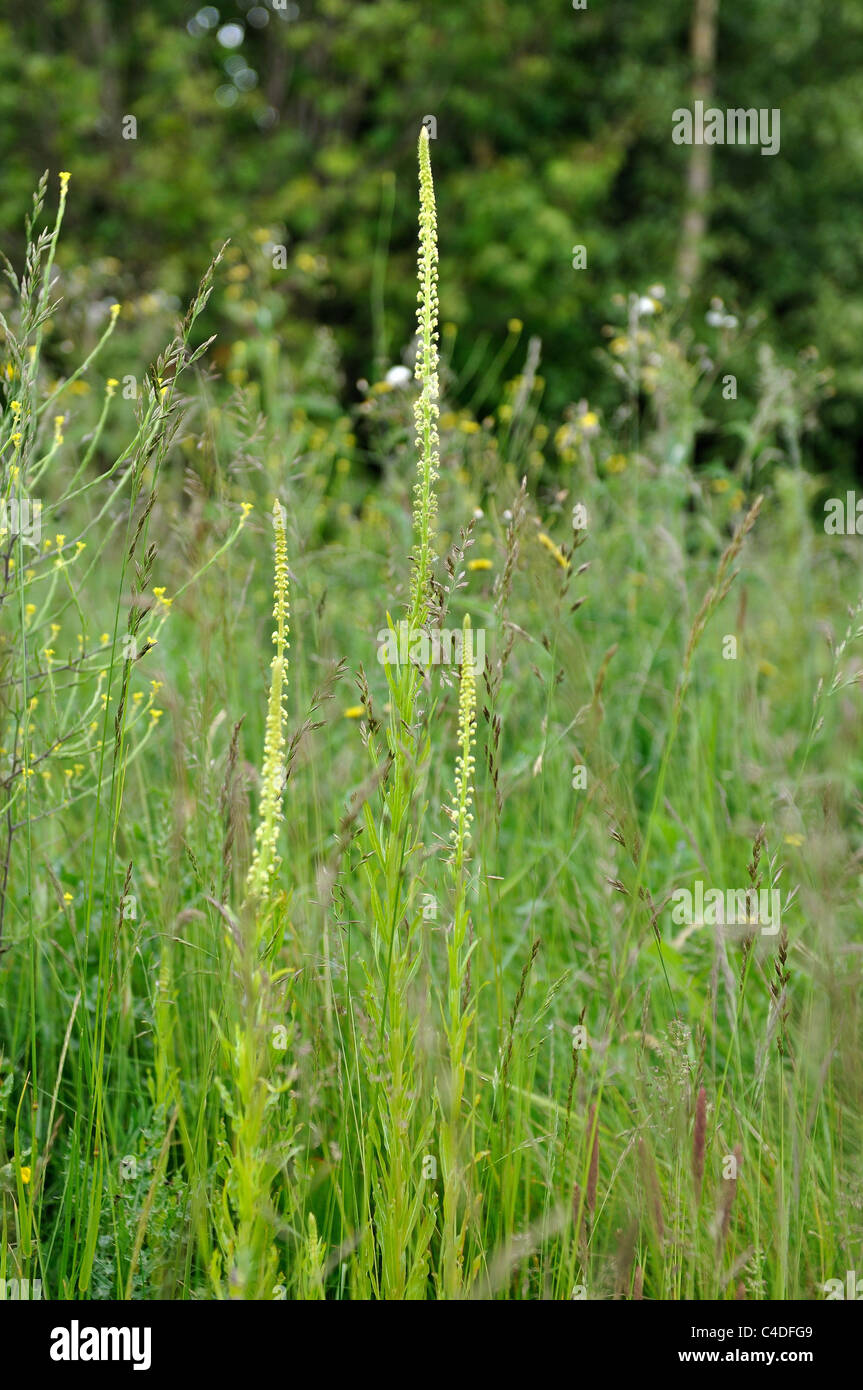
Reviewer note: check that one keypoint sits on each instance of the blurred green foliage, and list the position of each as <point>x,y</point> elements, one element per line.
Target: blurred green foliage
<point>296,125</point>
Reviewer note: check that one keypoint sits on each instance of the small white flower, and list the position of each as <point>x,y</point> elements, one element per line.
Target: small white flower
<point>646,305</point>
<point>478,513</point>
<point>715,318</point>
<point>398,376</point>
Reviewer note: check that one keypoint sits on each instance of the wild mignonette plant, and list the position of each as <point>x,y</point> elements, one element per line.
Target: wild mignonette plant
<point>257,1006</point>
<point>460,1012</point>
<point>401,1208</point>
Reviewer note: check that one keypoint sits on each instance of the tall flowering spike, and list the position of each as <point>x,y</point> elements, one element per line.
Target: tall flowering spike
<point>426,407</point>
<point>462,797</point>
<point>265,860</point>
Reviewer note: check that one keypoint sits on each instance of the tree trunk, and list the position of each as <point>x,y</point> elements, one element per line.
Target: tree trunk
<point>703,50</point>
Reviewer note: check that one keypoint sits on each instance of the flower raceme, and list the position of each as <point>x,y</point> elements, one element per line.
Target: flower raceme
<point>426,409</point>
<point>265,859</point>
<point>462,797</point>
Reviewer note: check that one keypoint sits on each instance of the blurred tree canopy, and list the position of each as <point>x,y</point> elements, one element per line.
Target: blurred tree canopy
<point>288,122</point>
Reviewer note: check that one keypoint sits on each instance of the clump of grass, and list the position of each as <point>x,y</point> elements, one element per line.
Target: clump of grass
<point>88,613</point>
<point>236,1047</point>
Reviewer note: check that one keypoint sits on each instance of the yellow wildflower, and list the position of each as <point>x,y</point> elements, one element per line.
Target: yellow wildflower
<point>553,550</point>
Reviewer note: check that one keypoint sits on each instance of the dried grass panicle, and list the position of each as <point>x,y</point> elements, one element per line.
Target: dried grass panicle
<point>593,1170</point>
<point>716,593</point>
<point>513,1018</point>
<point>650,1179</point>
<point>699,1138</point>
<point>231,806</point>
<point>729,1192</point>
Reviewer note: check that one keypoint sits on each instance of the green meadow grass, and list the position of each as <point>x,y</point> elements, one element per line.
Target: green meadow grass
<point>325,978</point>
